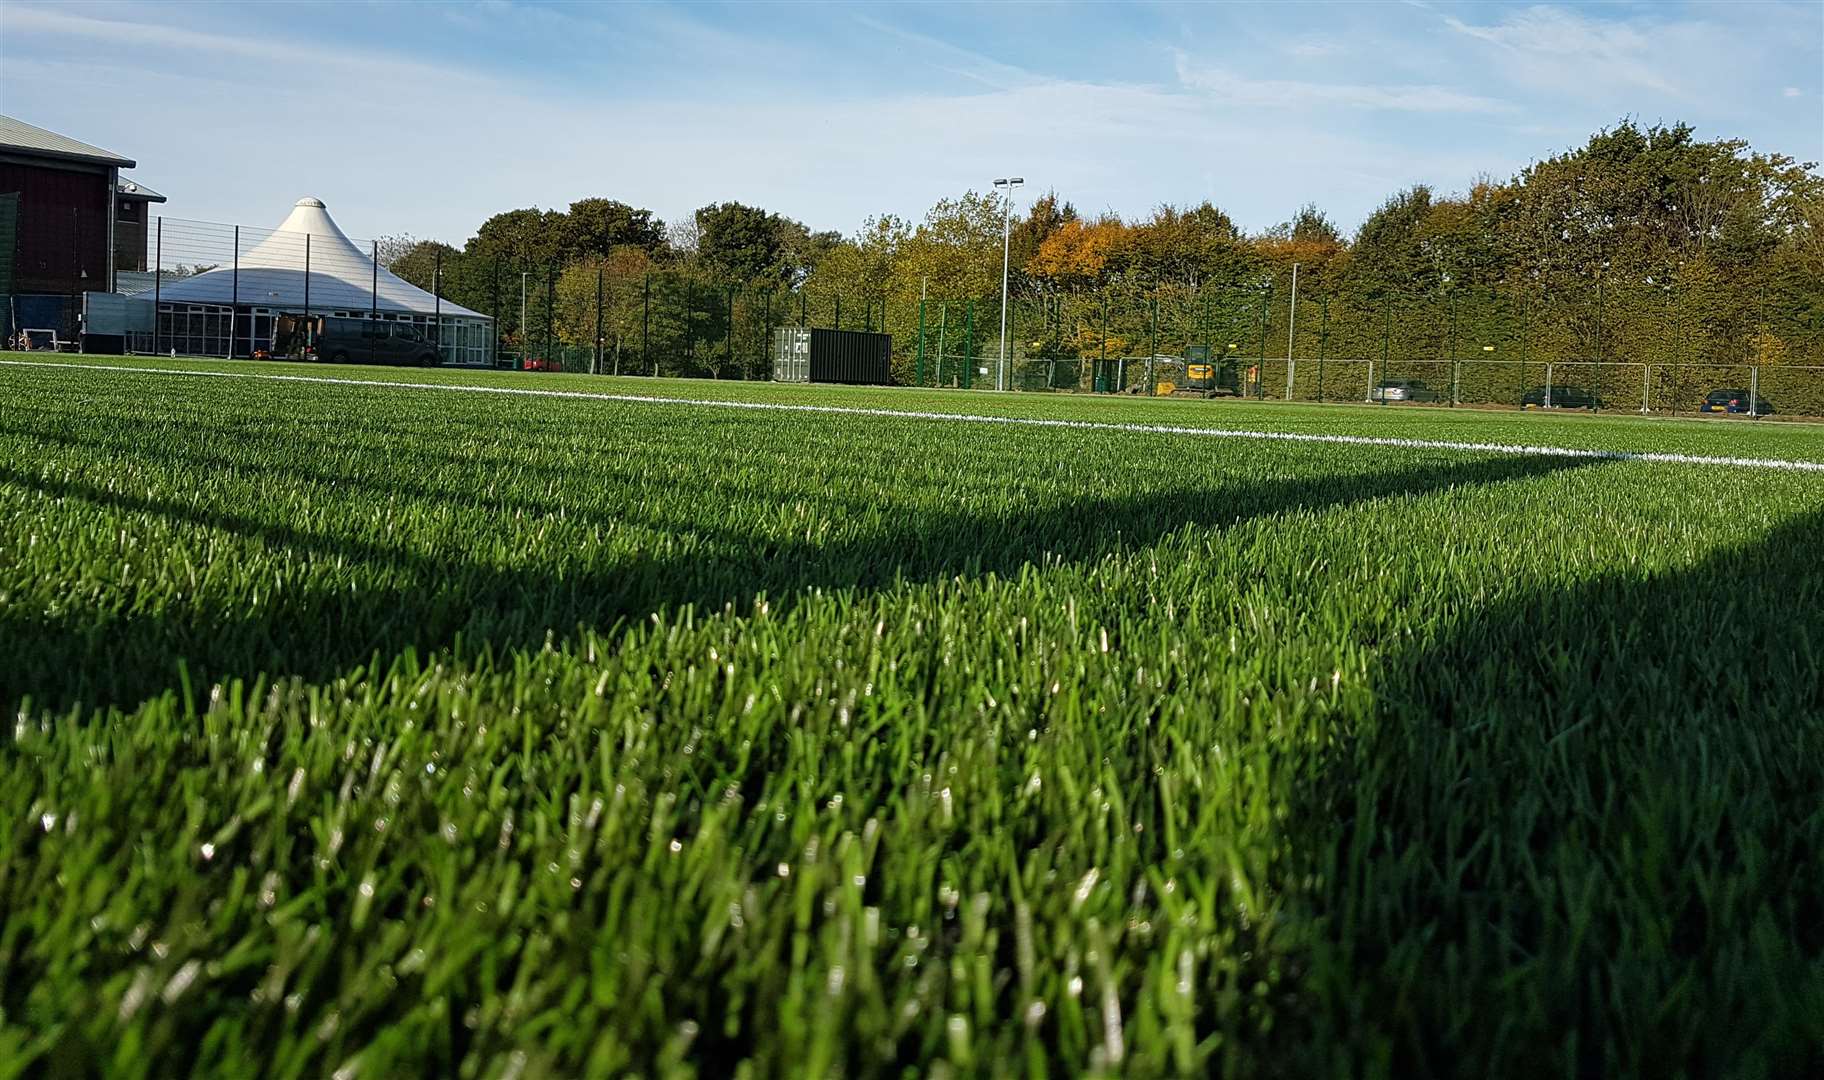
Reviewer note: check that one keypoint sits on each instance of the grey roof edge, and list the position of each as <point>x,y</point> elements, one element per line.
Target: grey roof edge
<point>133,189</point>
<point>20,137</point>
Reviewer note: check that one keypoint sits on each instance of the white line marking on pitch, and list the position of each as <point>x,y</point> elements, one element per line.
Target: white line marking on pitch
<point>977,418</point>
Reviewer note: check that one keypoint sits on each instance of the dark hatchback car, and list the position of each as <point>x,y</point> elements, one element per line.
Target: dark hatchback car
<point>367,341</point>
<point>1560,397</point>
<point>1403,390</point>
<point>1735,401</point>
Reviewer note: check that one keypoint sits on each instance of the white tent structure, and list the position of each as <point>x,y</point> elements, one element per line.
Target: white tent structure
<point>306,266</point>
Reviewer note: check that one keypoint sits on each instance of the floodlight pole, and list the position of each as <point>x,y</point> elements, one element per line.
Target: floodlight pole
<point>1006,232</point>
<point>523,274</point>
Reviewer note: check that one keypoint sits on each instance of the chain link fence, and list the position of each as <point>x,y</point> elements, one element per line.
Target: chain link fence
<point>1611,344</point>
<point>231,291</point>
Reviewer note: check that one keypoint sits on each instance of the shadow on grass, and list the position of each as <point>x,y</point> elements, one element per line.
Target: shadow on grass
<point>85,656</point>
<point>1583,834</point>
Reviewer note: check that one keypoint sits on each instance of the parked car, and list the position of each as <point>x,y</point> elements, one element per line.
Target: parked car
<point>1560,397</point>
<point>1735,401</point>
<point>1403,390</point>
<point>540,363</point>
<point>370,341</point>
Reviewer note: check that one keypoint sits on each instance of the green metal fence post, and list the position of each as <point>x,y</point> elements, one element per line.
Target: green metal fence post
<point>1260,365</point>
<point>918,379</point>
<point>690,320</point>
<point>943,329</point>
<point>1386,350</point>
<point>1102,365</point>
<point>968,344</point>
<point>1455,370</point>
<point>1323,337</point>
<point>766,325</point>
<point>1152,344</point>
<point>1521,381</point>
<point>158,278</point>
<point>1601,383</point>
<point>1203,305</point>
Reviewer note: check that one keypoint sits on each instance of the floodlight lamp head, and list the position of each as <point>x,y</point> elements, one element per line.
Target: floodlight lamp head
<point>1017,180</point>
<point>1000,181</point>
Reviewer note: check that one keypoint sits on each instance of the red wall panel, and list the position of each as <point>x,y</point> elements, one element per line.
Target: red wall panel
<point>63,228</point>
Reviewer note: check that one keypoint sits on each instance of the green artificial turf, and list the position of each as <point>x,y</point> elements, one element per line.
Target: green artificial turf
<point>375,731</point>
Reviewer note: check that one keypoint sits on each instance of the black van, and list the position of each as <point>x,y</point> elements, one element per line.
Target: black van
<point>1560,397</point>
<point>367,341</point>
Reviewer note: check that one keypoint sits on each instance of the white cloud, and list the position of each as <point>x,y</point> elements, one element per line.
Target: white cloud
<point>982,69</point>
<point>1793,91</point>
<point>144,39</point>
<point>432,150</point>
<point>226,156</point>
<point>1555,47</point>
<point>1314,50</point>
<point>1230,88</point>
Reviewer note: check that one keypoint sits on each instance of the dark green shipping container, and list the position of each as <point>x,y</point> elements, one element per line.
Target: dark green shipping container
<point>801,354</point>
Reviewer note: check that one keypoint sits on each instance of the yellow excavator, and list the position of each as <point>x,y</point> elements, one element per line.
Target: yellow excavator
<point>1198,375</point>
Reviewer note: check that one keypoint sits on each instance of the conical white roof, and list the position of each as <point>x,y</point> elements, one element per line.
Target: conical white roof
<point>341,276</point>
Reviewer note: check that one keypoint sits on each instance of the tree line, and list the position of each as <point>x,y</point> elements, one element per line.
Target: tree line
<point>1646,242</point>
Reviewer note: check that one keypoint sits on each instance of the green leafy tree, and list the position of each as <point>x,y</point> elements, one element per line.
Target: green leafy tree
<point>1389,257</point>
<point>594,228</point>
<point>418,263</point>
<point>520,239</point>
<point>741,243</point>
<point>618,281</point>
<point>1190,247</point>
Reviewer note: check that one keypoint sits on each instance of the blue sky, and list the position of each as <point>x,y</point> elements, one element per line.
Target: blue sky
<point>425,118</point>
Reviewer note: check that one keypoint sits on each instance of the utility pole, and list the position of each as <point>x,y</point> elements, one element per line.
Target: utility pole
<point>1006,232</point>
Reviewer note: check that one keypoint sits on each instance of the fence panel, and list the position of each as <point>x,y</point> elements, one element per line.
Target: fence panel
<point>1631,345</point>
<point>1792,389</point>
